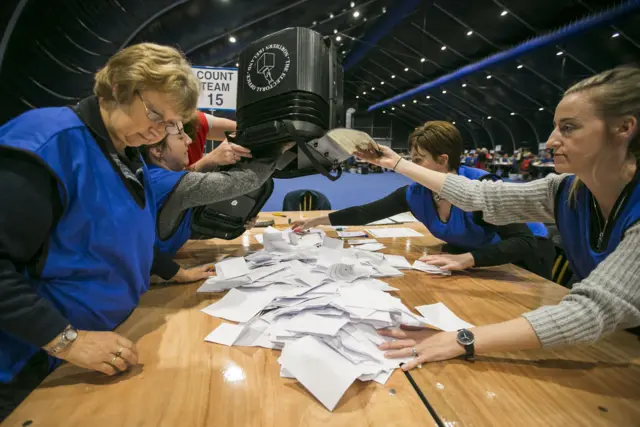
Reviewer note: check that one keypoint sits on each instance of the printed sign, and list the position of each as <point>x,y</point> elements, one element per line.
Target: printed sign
<point>542,146</point>
<point>498,147</point>
<point>218,87</point>
<point>268,67</point>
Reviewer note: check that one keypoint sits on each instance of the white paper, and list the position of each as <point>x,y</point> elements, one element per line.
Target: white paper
<point>240,306</point>
<point>312,323</point>
<point>361,241</point>
<point>331,374</point>
<point>403,218</point>
<point>350,234</point>
<point>371,247</point>
<point>225,334</point>
<point>386,221</point>
<point>441,317</point>
<point>330,243</point>
<point>398,261</point>
<point>259,238</point>
<point>231,268</point>
<point>219,284</point>
<point>382,233</point>
<point>428,268</point>
<point>345,272</point>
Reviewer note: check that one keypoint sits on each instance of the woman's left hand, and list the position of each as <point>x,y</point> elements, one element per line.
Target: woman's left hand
<point>449,262</point>
<point>228,153</point>
<point>429,344</point>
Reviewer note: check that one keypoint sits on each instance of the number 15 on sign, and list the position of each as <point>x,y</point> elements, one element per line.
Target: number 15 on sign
<point>218,87</point>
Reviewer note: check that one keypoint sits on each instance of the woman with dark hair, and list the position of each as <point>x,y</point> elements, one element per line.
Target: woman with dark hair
<point>471,242</point>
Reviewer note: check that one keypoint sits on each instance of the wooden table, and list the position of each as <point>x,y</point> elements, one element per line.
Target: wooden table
<point>184,381</point>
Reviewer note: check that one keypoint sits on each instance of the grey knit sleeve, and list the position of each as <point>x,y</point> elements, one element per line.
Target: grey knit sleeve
<point>504,203</point>
<point>198,189</point>
<point>606,301</point>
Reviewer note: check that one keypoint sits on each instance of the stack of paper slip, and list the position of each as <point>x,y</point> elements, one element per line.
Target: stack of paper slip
<point>311,296</point>
<point>431,269</point>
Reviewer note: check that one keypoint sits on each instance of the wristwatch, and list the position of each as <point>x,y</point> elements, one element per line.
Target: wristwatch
<point>466,339</point>
<point>67,337</point>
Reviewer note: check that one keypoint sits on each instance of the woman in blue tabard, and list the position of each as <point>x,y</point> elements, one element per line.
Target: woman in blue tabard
<point>595,204</point>
<point>178,190</point>
<point>470,241</point>
<point>77,236</point>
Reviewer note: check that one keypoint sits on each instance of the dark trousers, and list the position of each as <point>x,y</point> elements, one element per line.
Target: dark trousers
<point>541,260</point>
<point>11,394</point>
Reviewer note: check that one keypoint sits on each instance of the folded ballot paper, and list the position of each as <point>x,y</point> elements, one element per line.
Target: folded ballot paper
<point>318,302</point>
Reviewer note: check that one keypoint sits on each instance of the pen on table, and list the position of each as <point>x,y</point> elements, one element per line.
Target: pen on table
<point>279,214</point>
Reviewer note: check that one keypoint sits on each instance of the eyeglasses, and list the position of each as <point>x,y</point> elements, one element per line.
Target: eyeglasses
<point>171,127</point>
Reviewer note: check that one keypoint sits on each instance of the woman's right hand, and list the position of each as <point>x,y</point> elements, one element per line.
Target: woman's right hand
<point>305,224</point>
<point>380,156</point>
<point>105,352</point>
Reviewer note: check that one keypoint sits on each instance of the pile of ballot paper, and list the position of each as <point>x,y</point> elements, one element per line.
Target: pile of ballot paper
<point>321,304</point>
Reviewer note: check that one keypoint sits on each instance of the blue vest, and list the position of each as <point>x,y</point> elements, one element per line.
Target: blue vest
<point>574,217</point>
<point>101,250</point>
<point>460,230</point>
<point>163,182</point>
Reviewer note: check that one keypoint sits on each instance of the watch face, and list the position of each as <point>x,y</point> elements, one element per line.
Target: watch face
<point>465,337</point>
<point>70,334</point>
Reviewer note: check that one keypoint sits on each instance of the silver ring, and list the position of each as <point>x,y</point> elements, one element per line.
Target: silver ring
<point>414,352</point>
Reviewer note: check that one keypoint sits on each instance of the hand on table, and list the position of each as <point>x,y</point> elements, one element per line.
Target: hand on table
<point>449,262</point>
<point>105,352</point>
<point>430,345</point>
<point>193,274</point>
<point>304,224</point>
<point>388,159</point>
<point>251,223</point>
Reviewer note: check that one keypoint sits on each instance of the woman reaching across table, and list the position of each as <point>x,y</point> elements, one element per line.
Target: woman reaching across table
<point>597,210</point>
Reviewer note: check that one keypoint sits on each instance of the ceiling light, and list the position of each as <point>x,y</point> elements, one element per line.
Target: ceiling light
<point>559,53</point>
<point>469,33</point>
<point>373,88</point>
<point>315,22</point>
<point>423,59</point>
<point>504,13</point>
<point>453,123</point>
<point>444,92</point>
<point>356,14</point>
<point>403,105</point>
<point>393,108</point>
<point>344,51</point>
<point>384,10</point>
<point>384,112</point>
<point>541,109</point>
<point>520,66</point>
<point>381,83</point>
<point>513,114</point>
<point>237,65</point>
<point>489,118</point>
<point>338,38</point>
<point>331,16</point>
<point>393,76</point>
<point>428,96</point>
<point>415,102</point>
<point>615,35</point>
<point>232,39</point>
<point>364,19</point>
<point>357,96</point>
<point>469,120</point>
<point>335,31</point>
<point>464,85</point>
<point>352,4</point>
<point>364,93</point>
<point>489,77</point>
<point>406,69</point>
<point>443,48</point>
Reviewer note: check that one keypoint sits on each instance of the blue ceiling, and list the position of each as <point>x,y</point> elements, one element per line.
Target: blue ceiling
<point>50,50</point>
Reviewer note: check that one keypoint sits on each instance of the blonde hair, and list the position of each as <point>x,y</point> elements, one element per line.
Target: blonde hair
<point>615,93</point>
<point>149,66</point>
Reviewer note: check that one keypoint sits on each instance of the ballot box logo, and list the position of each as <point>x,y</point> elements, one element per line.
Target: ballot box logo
<point>268,67</point>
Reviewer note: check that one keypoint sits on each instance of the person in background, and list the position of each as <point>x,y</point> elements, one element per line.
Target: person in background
<point>483,158</point>
<point>472,242</point>
<point>547,158</point>
<point>595,203</point>
<point>178,190</point>
<point>205,126</point>
<point>77,236</point>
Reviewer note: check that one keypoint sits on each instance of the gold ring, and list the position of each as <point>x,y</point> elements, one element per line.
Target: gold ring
<point>119,352</point>
<point>113,361</point>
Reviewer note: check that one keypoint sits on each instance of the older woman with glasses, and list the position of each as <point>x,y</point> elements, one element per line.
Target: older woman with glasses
<point>78,224</point>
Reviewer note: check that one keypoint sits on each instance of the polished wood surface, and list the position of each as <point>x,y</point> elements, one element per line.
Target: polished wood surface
<point>184,381</point>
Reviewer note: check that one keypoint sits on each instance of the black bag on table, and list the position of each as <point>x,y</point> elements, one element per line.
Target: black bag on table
<point>226,219</point>
<point>290,90</point>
